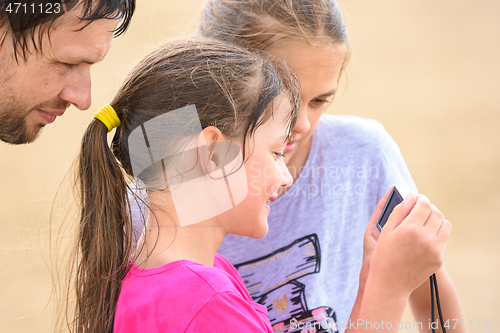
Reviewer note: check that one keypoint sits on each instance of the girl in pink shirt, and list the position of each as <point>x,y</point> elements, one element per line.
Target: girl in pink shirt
<point>202,126</point>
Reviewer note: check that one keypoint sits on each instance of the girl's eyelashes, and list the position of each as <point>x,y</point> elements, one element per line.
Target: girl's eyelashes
<point>321,101</point>
<point>279,155</point>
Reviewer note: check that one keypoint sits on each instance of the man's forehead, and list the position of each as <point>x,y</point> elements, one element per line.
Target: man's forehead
<point>86,41</point>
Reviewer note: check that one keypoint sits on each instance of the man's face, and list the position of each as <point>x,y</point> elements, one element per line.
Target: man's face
<point>35,92</point>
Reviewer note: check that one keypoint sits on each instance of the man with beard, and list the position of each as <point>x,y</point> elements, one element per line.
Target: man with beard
<point>46,51</point>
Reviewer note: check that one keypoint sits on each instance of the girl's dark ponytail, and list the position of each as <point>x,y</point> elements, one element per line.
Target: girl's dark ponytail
<point>103,235</point>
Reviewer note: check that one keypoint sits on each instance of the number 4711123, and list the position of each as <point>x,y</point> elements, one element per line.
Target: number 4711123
<point>42,8</point>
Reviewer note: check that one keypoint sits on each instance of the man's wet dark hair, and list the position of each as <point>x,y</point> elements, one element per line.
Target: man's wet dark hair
<point>28,20</point>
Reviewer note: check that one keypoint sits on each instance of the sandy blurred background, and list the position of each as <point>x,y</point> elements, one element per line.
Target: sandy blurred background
<point>429,71</point>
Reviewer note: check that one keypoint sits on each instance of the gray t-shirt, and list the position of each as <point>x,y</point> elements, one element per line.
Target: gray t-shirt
<point>307,266</point>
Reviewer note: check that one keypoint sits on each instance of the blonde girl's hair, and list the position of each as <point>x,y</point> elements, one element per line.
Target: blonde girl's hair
<point>259,24</point>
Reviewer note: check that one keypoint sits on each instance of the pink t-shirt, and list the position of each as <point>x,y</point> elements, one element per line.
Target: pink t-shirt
<point>184,296</point>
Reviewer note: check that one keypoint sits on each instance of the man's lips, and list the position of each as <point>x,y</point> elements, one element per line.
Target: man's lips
<point>49,115</point>
<point>54,112</point>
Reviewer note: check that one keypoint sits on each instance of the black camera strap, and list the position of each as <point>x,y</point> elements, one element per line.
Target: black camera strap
<point>434,289</point>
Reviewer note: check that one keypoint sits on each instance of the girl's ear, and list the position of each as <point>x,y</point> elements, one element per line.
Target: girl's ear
<point>207,156</point>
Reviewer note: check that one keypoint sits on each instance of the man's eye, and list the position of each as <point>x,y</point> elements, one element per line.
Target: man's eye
<point>70,65</point>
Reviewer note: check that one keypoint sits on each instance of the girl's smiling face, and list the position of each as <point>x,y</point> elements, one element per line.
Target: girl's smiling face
<point>266,173</point>
<point>318,69</point>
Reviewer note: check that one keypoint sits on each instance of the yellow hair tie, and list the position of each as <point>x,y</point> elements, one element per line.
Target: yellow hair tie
<point>107,115</point>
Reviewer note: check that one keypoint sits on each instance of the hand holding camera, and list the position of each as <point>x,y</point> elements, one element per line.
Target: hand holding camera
<point>411,246</point>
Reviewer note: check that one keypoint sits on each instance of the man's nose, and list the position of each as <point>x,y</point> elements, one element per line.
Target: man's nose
<point>77,88</point>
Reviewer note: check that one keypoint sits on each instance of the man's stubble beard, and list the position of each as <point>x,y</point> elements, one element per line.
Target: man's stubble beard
<point>13,127</point>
